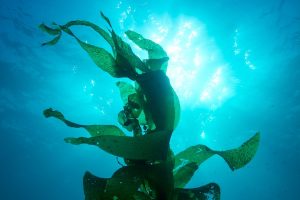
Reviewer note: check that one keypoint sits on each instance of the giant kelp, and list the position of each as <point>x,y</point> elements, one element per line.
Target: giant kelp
<point>151,112</point>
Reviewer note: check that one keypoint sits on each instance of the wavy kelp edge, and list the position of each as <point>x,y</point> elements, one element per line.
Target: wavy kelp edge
<point>188,161</point>
<point>93,130</point>
<point>113,140</point>
<point>131,183</point>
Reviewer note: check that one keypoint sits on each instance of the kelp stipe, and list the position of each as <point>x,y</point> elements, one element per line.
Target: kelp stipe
<point>151,112</point>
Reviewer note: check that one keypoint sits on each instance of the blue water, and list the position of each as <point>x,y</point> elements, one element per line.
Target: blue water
<point>234,64</point>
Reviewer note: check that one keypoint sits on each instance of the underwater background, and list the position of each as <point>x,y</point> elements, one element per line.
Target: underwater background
<point>235,66</point>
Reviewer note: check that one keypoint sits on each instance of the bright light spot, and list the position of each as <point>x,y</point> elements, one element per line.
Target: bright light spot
<point>75,69</point>
<point>204,96</point>
<point>187,25</point>
<point>216,77</point>
<point>196,68</point>
<point>247,60</point>
<point>202,134</point>
<point>92,83</point>
<point>119,4</point>
<point>109,102</point>
<point>236,49</point>
<point>102,111</point>
<point>197,59</point>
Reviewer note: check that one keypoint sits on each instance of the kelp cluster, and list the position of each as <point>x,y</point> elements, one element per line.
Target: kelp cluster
<point>151,112</point>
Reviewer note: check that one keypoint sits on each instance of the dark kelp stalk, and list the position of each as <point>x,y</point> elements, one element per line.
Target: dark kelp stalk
<point>151,112</point>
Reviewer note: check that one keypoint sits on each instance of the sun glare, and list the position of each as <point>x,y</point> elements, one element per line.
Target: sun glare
<point>196,71</point>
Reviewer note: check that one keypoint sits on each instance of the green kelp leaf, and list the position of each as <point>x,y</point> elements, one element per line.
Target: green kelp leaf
<point>57,30</point>
<point>197,154</point>
<point>184,174</point>
<point>97,130</point>
<point>186,162</point>
<point>122,185</point>
<point>156,64</point>
<point>135,103</point>
<point>125,182</point>
<point>155,51</point>
<point>128,181</point>
<point>159,94</point>
<point>100,56</point>
<point>50,31</point>
<point>160,178</point>
<point>53,41</point>
<point>94,130</point>
<point>94,187</point>
<point>125,58</point>
<point>210,191</point>
<point>106,36</point>
<point>102,59</point>
<point>118,67</point>
<point>239,157</point>
<point>146,147</point>
<point>125,90</point>
<point>235,158</point>
<point>106,19</point>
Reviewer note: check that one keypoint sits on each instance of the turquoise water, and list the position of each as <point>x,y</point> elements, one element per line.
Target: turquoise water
<point>235,66</point>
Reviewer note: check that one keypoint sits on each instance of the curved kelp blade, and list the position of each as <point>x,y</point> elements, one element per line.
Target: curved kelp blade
<point>124,54</point>
<point>184,174</point>
<point>100,56</point>
<point>125,89</point>
<point>146,147</point>
<point>55,31</point>
<point>187,163</point>
<point>155,51</point>
<point>94,130</point>
<point>106,36</point>
<point>239,157</point>
<point>207,192</point>
<point>235,158</point>
<point>129,182</point>
<point>161,101</point>
<point>124,183</point>
<point>94,187</point>
<point>51,31</point>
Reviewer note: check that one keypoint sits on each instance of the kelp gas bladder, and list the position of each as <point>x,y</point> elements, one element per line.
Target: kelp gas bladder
<point>151,112</point>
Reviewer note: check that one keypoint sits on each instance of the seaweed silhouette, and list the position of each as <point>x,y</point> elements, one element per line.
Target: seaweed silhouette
<point>151,112</point>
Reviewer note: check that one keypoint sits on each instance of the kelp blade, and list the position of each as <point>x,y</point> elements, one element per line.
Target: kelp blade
<point>207,192</point>
<point>152,146</point>
<point>161,101</point>
<point>130,182</point>
<point>184,174</point>
<point>94,130</point>
<point>235,158</point>
<point>125,89</point>
<point>93,186</point>
<point>239,157</point>
<point>155,51</point>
